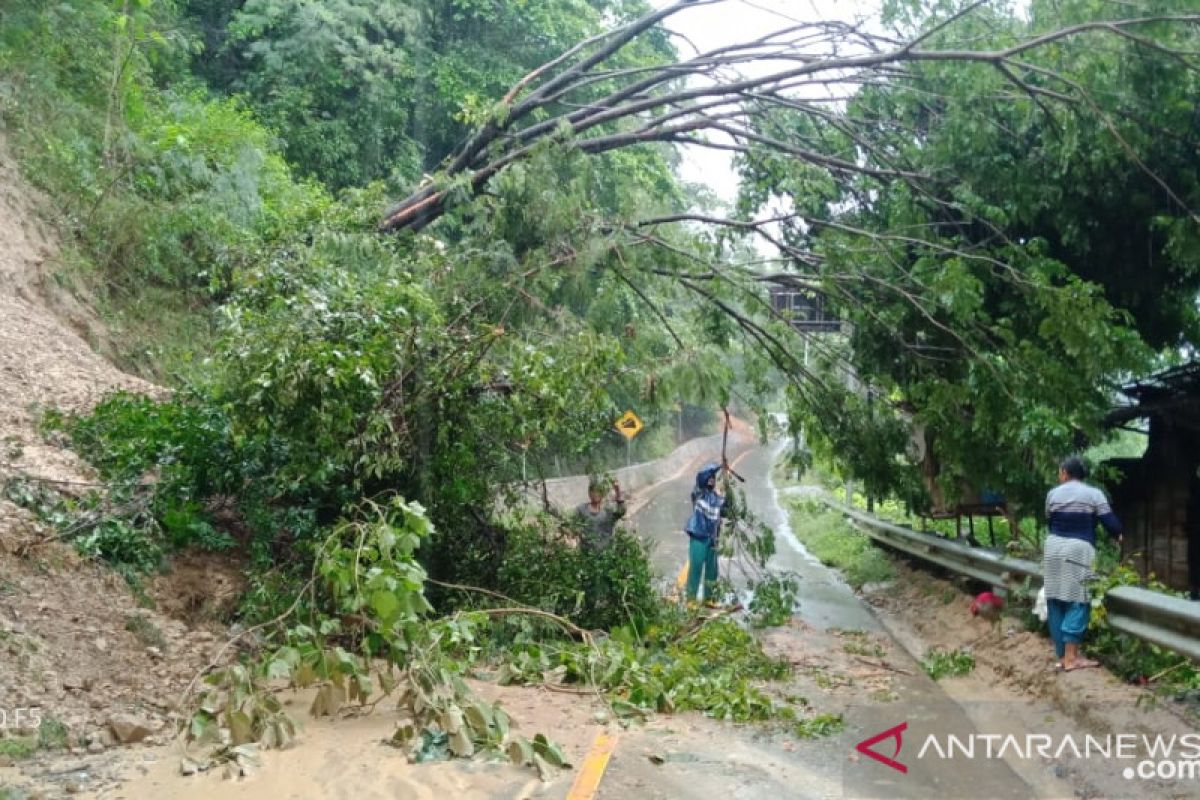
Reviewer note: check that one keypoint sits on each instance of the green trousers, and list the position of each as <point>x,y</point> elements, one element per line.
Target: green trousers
<point>702,562</point>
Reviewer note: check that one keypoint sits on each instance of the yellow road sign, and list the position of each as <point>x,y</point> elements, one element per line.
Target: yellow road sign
<point>629,425</point>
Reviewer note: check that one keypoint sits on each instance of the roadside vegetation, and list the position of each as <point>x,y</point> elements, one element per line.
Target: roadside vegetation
<point>838,544</point>
<point>395,263</point>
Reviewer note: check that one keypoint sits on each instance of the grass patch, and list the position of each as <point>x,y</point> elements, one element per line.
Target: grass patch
<point>869,649</point>
<point>947,663</point>
<point>18,747</point>
<point>145,632</point>
<point>837,544</point>
<point>52,734</point>
<point>820,725</point>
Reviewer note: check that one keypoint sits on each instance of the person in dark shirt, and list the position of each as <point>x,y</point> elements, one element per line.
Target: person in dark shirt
<point>598,518</point>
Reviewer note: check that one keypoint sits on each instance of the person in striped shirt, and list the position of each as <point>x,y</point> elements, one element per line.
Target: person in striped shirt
<point>1073,508</point>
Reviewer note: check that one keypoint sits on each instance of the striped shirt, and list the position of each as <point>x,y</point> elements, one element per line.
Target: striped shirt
<point>1066,568</point>
<point>1073,508</point>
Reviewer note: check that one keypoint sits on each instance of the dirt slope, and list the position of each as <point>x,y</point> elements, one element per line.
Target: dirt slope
<point>76,648</point>
<point>44,361</point>
<point>1014,690</point>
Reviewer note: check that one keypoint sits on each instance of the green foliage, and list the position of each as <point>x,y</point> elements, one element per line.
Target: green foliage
<point>52,734</point>
<point>362,91</point>
<point>681,663</point>
<point>1130,658</point>
<point>774,601</point>
<point>940,664</point>
<point>712,669</point>
<point>18,747</point>
<point>604,588</point>
<point>127,546</point>
<point>818,726</point>
<point>158,192</point>
<point>162,458</point>
<point>837,544</point>
<point>999,293</point>
<point>367,638</point>
<point>127,436</point>
<point>117,529</point>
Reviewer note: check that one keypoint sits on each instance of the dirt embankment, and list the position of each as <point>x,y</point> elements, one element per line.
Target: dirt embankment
<point>1014,688</point>
<point>82,661</point>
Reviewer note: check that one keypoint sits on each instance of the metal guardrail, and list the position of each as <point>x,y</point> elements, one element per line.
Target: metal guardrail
<point>983,565</point>
<point>1169,622</point>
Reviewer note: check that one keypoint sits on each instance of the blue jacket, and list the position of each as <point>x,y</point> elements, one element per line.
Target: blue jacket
<point>707,507</point>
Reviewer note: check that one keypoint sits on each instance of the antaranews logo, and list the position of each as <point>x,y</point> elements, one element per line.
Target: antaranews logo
<point>1170,757</point>
<point>897,733</point>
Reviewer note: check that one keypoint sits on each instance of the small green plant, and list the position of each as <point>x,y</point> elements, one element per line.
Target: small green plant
<point>863,648</point>
<point>818,726</point>
<point>52,734</point>
<point>940,664</point>
<point>18,747</point>
<point>145,631</point>
<point>774,600</point>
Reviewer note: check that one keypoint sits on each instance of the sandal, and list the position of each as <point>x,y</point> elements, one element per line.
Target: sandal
<point>1080,663</point>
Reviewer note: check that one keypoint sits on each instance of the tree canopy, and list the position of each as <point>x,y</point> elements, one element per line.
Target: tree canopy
<point>964,187</point>
<point>999,202</point>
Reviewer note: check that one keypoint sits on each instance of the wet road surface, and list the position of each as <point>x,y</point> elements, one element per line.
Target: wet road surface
<point>710,760</point>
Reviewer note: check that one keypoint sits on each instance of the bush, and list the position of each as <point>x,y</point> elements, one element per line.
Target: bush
<point>1131,658</point>
<point>163,458</point>
<point>18,747</point>
<point>602,589</point>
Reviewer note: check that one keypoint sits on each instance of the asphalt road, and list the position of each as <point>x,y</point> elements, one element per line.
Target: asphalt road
<point>704,759</point>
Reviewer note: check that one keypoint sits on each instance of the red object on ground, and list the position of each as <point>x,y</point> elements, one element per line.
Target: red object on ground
<point>987,604</point>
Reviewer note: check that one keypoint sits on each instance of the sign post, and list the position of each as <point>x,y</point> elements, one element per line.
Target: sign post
<point>629,426</point>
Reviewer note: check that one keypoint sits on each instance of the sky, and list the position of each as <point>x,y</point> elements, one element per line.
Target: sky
<point>733,21</point>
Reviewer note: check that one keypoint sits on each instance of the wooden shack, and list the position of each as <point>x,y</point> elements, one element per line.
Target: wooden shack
<point>805,308</point>
<point>1158,496</point>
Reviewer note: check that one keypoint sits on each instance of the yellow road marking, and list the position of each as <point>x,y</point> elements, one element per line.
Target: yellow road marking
<point>588,780</point>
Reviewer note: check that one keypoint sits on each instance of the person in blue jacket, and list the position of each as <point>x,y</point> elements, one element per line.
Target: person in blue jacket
<point>703,529</point>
